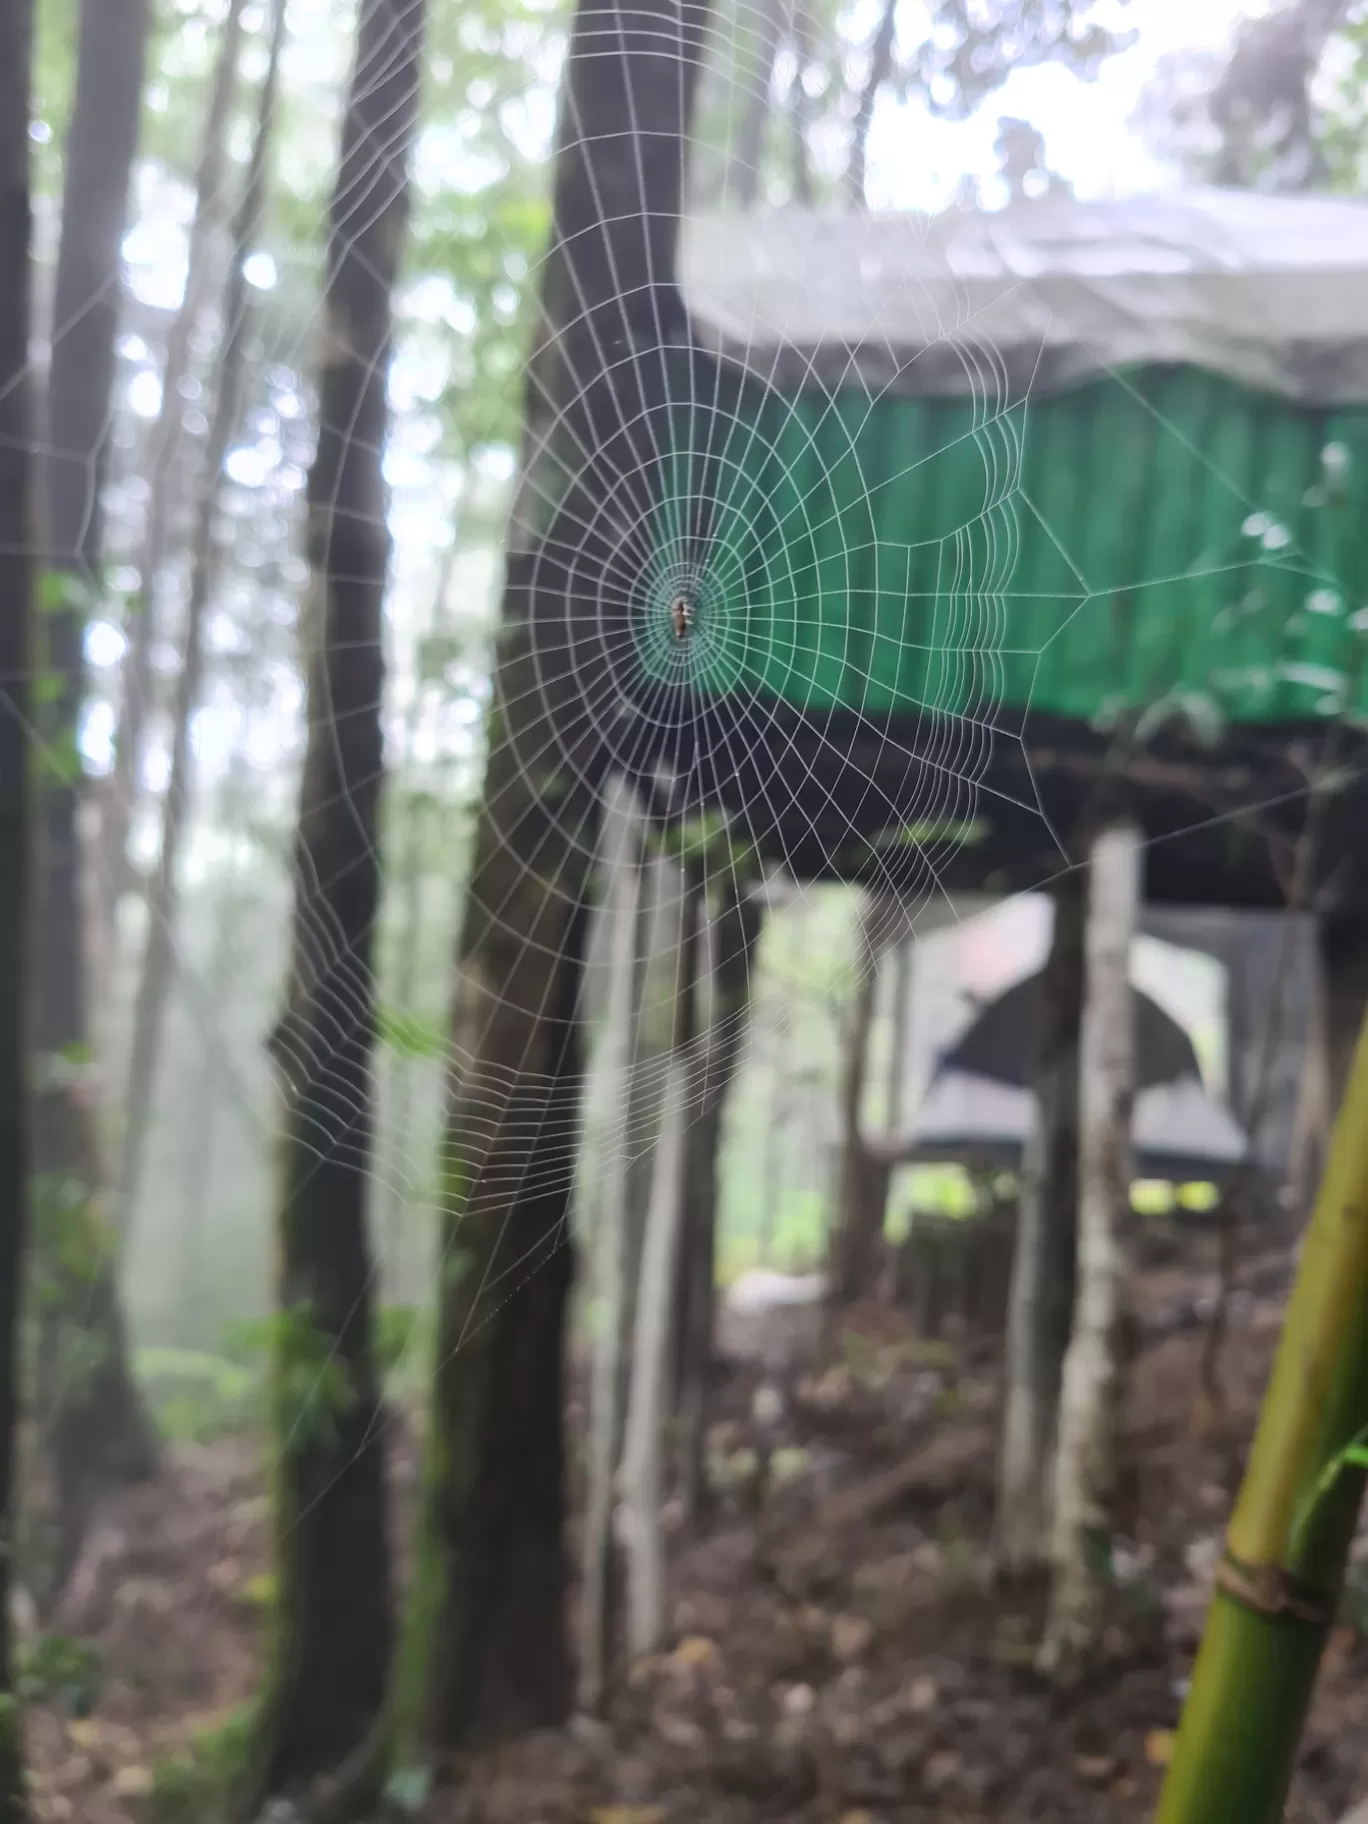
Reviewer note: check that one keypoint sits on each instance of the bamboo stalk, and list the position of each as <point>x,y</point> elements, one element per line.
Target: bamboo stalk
<point>1289,1536</point>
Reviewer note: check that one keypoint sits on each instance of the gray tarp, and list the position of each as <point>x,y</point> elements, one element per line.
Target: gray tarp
<point>1270,290</point>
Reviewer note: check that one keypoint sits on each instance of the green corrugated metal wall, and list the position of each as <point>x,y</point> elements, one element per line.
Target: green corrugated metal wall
<point>1142,534</point>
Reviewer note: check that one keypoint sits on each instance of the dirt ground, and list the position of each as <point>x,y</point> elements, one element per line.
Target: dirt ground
<point>840,1653</point>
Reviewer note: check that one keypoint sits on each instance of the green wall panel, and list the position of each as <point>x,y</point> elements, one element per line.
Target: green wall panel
<point>1149,533</point>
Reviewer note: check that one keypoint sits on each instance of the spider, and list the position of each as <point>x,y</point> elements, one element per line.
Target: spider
<point>682,613</point>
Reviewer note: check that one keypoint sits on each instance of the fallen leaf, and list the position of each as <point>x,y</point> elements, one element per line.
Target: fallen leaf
<point>626,1814</point>
<point>695,1650</point>
<point>85,1733</point>
<point>922,1695</point>
<point>940,1769</point>
<point>857,1817</point>
<point>850,1636</point>
<point>133,1782</point>
<point>1094,1767</point>
<point>1159,1747</point>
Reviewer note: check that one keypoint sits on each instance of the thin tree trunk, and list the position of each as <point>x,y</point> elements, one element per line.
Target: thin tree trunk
<point>335,1616</point>
<point>16,545</point>
<point>488,1606</point>
<point>858,1225</point>
<point>410,944</point>
<point>800,112</point>
<point>899,1018</point>
<point>1040,1304</point>
<point>159,955</point>
<point>765,31</point>
<point>734,936</point>
<point>233,908</point>
<point>135,676</point>
<point>1086,1476</point>
<point>642,1475</point>
<point>613,1252</point>
<point>880,67</point>
<point>93,1420</point>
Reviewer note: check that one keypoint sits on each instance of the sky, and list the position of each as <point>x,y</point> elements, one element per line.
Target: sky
<point>1088,135</point>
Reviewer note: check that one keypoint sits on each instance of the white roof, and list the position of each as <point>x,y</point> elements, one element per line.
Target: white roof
<point>1271,290</point>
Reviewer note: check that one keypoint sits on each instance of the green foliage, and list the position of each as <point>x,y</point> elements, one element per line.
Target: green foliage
<point>312,1387</point>
<point>411,1035</point>
<point>57,1670</point>
<point>196,1397</point>
<point>201,1788</point>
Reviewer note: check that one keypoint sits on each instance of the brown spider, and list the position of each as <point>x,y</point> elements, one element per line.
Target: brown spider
<point>682,613</point>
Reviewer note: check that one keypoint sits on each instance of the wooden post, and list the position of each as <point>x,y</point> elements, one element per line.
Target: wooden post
<point>642,1472</point>
<point>1040,1309</point>
<point>1092,1386</point>
<point>611,1246</point>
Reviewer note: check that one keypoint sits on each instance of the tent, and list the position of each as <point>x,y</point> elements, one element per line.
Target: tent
<point>977,1111</point>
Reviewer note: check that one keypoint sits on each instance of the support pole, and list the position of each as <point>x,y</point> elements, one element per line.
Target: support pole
<point>1086,1468</point>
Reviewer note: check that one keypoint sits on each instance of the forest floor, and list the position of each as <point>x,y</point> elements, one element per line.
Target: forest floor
<point>839,1651</point>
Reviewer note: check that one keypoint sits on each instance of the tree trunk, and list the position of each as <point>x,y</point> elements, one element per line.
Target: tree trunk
<point>900,1013</point>
<point>232,910</point>
<point>335,1618</point>
<point>800,112</point>
<point>1092,1391</point>
<point>642,1476</point>
<point>880,67</point>
<point>159,955</point>
<point>410,949</point>
<point>734,935</point>
<point>765,31</point>
<point>612,1249</point>
<point>16,545</point>
<point>858,1224</point>
<point>1040,1308</point>
<point>490,1603</point>
<point>135,676</point>
<point>96,1429</point>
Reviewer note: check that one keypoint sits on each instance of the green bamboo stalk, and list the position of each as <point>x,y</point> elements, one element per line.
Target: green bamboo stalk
<point>1288,1541</point>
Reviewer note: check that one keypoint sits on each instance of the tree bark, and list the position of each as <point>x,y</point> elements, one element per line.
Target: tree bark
<point>765,22</point>
<point>135,675</point>
<point>159,955</point>
<point>16,545</point>
<point>97,1432</point>
<point>734,935</point>
<point>335,1618</point>
<point>1040,1306</point>
<point>489,1608</point>
<point>642,1476</point>
<point>612,1249</point>
<point>880,67</point>
<point>900,1013</point>
<point>858,1224</point>
<point>1086,1473</point>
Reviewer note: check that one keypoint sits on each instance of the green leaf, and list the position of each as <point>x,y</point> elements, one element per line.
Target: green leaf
<point>411,1035</point>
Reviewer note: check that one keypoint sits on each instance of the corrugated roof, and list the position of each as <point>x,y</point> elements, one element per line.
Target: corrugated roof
<point>1271,291</point>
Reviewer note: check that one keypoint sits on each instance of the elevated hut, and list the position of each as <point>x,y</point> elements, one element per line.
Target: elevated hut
<point>987,500</point>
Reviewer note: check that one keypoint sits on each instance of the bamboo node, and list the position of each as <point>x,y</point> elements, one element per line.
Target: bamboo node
<point>1270,1590</point>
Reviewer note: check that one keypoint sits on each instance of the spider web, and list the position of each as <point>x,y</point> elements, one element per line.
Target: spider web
<point>725,554</point>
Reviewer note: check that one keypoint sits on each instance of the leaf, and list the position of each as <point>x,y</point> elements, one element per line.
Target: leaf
<point>1159,1747</point>
<point>627,1814</point>
<point>133,1782</point>
<point>407,1789</point>
<point>412,1035</point>
<point>695,1650</point>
